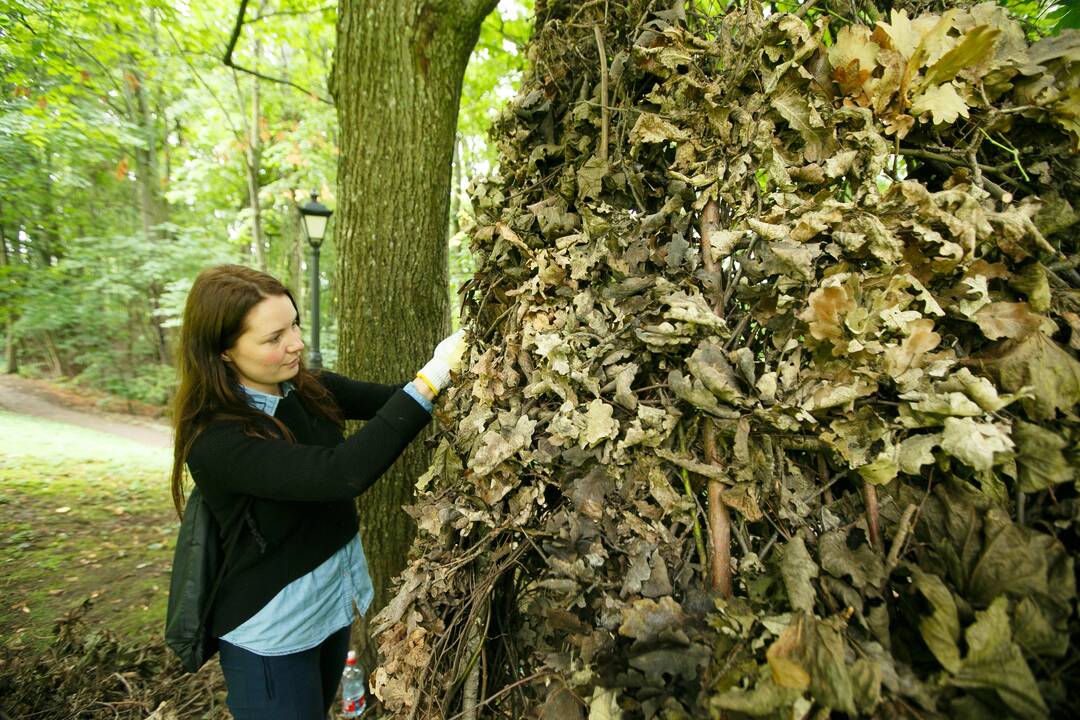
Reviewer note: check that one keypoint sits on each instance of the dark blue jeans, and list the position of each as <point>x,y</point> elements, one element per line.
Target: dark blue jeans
<point>300,686</point>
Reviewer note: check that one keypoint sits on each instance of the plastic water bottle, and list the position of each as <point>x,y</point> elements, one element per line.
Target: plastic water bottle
<point>353,695</point>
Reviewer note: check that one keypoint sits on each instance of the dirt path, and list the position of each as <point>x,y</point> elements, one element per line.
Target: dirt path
<point>38,399</point>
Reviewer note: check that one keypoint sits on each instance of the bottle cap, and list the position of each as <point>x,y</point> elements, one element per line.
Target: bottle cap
<point>350,659</point>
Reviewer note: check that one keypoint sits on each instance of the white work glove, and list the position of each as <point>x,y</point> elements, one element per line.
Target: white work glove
<point>445,359</point>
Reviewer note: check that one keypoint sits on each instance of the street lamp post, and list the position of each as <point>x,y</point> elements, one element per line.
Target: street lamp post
<point>315,216</point>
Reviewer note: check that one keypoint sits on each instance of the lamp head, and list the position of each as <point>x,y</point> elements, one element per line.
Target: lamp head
<point>315,216</point>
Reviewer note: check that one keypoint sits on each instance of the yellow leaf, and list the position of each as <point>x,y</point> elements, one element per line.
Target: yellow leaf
<point>1066,113</point>
<point>900,125</point>
<point>853,57</point>
<point>853,43</point>
<point>901,34</point>
<point>942,101</point>
<point>976,46</point>
<point>604,704</point>
<point>786,671</point>
<point>974,443</point>
<point>883,469</point>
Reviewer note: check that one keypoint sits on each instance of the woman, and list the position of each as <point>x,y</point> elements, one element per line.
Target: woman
<point>262,438</point>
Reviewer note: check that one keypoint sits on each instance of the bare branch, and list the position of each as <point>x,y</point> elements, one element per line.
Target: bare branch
<point>199,78</point>
<point>957,162</point>
<point>603,93</point>
<point>232,46</point>
<point>805,8</point>
<point>312,11</point>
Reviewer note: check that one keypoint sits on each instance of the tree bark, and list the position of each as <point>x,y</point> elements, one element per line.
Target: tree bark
<point>153,208</point>
<point>11,360</point>
<point>11,357</point>
<point>147,183</point>
<point>397,86</point>
<point>455,191</point>
<point>53,354</point>
<point>292,236</point>
<point>50,249</point>
<point>253,158</point>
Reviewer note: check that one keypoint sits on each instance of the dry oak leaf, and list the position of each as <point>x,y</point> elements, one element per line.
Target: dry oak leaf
<point>942,102</point>
<point>826,308</point>
<point>920,340</point>
<point>1038,363</point>
<point>1007,320</point>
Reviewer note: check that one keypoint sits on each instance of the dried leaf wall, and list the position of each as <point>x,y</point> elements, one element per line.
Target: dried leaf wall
<point>817,272</point>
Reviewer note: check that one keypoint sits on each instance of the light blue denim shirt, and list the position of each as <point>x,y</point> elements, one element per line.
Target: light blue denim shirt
<point>314,606</point>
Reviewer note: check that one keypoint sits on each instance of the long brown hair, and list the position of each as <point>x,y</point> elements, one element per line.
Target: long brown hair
<point>214,318</point>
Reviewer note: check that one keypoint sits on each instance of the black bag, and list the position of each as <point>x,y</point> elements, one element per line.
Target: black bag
<point>197,571</point>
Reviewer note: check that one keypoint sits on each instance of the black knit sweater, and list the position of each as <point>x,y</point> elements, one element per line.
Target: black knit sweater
<point>301,493</point>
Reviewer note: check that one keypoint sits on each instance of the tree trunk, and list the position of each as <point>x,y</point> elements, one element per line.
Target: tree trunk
<point>153,209</point>
<point>157,331</point>
<point>455,191</point>
<point>11,357</point>
<point>254,159</point>
<point>50,249</point>
<point>397,85</point>
<point>53,354</point>
<point>292,238</point>
<point>11,362</point>
<point>151,204</point>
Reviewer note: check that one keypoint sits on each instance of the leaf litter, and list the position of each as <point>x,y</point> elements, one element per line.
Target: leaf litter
<point>824,268</point>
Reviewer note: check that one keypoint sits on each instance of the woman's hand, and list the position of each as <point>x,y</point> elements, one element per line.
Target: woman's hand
<point>435,375</point>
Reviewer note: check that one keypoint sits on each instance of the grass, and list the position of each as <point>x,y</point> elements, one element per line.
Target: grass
<point>84,517</point>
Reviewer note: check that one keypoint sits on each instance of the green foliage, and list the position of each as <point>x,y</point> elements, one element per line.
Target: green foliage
<point>1045,17</point>
<point>125,147</point>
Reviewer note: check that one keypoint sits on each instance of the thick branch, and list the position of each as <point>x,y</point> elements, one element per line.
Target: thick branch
<point>603,93</point>
<point>719,520</point>
<point>872,520</point>
<point>710,222</point>
<point>719,523</point>
<point>957,162</point>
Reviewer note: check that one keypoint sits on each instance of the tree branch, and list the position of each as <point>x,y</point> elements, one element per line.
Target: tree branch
<point>957,162</point>
<point>805,8</point>
<point>603,93</point>
<point>719,523</point>
<point>232,46</point>
<point>108,74</point>
<point>199,78</point>
<point>873,523</point>
<point>23,21</point>
<point>324,8</point>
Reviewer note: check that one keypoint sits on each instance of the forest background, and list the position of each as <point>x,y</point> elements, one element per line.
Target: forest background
<point>132,157</point>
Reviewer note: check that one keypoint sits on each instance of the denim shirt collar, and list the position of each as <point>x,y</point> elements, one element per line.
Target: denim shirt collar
<point>265,401</point>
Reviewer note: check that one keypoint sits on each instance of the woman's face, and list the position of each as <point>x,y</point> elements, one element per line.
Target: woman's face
<point>268,350</point>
